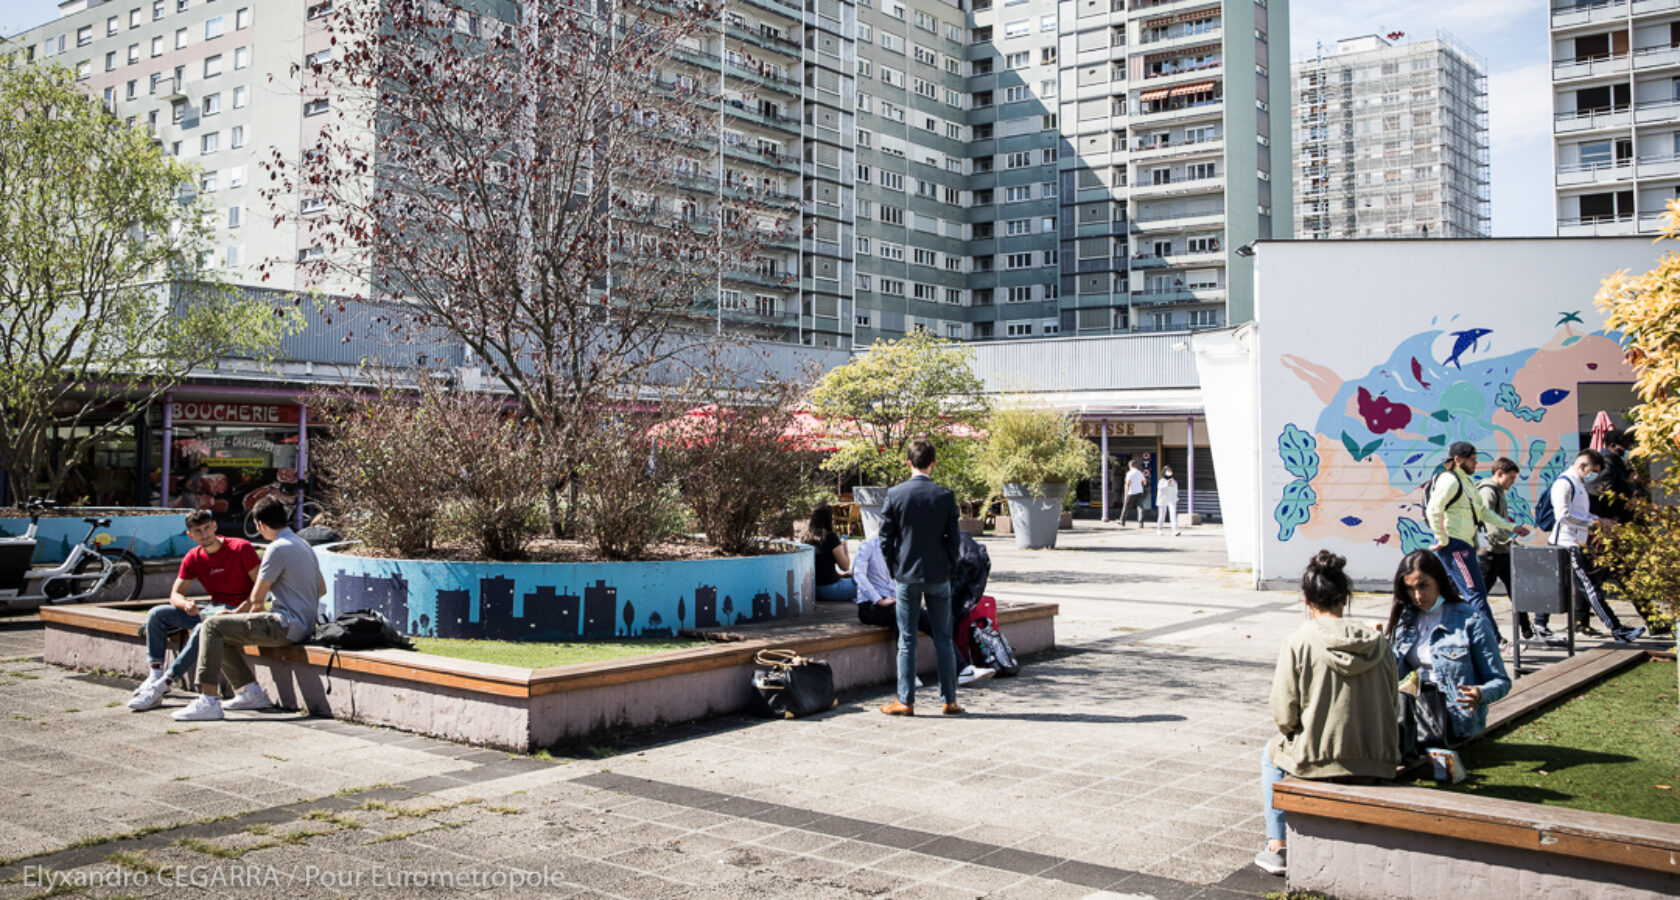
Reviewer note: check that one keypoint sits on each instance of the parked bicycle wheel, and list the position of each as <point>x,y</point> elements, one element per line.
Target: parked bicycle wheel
<point>124,583</point>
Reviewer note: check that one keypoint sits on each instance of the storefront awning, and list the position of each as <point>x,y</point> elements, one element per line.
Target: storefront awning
<point>1154,94</point>
<point>1196,88</point>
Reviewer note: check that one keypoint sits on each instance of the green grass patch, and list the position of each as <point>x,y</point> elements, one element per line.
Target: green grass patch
<point>1613,748</point>
<point>138,861</point>
<point>199,845</point>
<point>332,818</point>
<point>534,655</point>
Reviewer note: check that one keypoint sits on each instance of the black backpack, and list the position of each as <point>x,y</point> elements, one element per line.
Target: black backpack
<point>991,650</point>
<point>1458,494</point>
<point>364,629</point>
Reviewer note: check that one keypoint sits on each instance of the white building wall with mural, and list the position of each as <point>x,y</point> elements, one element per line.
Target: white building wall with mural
<point>1372,356</point>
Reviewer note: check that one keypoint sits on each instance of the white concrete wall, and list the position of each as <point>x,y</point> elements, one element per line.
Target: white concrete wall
<point>1372,356</point>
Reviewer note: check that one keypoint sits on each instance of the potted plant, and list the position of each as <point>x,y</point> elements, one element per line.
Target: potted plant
<point>918,386</point>
<point>1031,455</point>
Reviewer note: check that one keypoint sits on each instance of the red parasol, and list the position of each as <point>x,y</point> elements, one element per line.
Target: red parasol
<point>1601,427</point>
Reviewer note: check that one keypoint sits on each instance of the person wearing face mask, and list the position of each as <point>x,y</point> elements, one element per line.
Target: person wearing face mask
<point>1570,499</point>
<point>1448,642</point>
<point>1454,510</point>
<point>1166,502</point>
<point>1333,700</point>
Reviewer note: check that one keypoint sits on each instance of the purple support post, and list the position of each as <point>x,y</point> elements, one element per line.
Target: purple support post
<point>168,442</point>
<point>302,463</point>
<point>1190,464</point>
<point>1105,469</point>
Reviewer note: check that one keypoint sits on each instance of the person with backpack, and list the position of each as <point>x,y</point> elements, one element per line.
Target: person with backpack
<point>290,574</point>
<point>1571,522</point>
<point>1495,561</point>
<point>1454,510</point>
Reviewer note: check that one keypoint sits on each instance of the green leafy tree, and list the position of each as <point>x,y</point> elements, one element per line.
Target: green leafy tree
<point>918,386</point>
<point>1644,555</point>
<point>105,302</point>
<point>1034,446</point>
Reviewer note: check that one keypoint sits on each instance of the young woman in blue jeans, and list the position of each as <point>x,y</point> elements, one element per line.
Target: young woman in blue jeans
<point>833,563</point>
<point>1446,641</point>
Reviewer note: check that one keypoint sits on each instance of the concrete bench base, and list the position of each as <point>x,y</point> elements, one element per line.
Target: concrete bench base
<point>1356,842</point>
<point>523,709</point>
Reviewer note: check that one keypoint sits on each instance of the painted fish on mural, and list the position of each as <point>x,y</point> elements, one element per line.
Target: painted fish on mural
<point>1417,373</point>
<point>1469,339</point>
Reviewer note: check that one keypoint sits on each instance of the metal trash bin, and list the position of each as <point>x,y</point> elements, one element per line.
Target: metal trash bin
<point>1542,582</point>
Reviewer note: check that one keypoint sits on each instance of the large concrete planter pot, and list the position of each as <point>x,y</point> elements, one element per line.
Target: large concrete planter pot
<point>1035,517</point>
<point>870,500</point>
<point>975,527</point>
<point>570,601</point>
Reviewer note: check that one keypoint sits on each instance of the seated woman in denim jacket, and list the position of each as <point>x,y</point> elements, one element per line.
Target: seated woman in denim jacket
<point>1439,636</point>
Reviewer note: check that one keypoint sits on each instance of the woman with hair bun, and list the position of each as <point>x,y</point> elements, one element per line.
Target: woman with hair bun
<point>1333,697</point>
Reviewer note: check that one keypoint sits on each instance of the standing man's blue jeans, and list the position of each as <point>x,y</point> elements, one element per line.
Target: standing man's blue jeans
<point>1466,574</point>
<point>1270,774</point>
<point>163,619</point>
<point>937,595</point>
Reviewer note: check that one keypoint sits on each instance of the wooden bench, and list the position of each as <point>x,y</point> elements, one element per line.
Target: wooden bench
<point>1352,841</point>
<point>516,708</point>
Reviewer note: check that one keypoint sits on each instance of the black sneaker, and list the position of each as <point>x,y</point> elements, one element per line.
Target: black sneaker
<point>1588,631</point>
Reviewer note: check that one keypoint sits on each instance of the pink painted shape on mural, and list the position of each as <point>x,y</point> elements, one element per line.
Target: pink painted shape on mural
<point>1359,489</point>
<point>1322,379</point>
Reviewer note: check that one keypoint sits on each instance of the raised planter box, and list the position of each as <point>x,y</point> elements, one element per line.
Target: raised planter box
<point>147,533</point>
<point>522,709</point>
<point>1357,842</point>
<point>571,601</point>
<point>975,527</point>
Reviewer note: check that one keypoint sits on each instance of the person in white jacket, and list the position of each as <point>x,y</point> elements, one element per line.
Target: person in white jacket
<point>1166,502</point>
<point>1573,522</point>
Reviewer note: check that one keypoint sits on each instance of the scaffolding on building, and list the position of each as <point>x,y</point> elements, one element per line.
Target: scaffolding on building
<point>1391,141</point>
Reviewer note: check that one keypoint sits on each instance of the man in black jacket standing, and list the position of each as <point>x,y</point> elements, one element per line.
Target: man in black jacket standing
<point>919,541</point>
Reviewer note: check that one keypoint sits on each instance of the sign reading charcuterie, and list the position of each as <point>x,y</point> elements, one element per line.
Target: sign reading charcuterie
<point>222,413</point>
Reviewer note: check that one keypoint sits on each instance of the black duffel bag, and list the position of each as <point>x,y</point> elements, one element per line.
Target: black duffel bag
<point>788,685</point>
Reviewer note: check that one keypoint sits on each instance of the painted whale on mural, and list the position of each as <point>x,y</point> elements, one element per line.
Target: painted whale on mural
<point>1466,340</point>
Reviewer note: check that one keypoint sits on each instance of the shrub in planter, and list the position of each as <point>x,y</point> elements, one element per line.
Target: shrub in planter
<point>736,467</point>
<point>1032,454</point>
<point>626,503</point>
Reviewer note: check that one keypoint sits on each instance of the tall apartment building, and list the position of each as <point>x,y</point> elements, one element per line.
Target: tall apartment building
<point>1392,141</point>
<point>1616,127</point>
<point>1021,168</point>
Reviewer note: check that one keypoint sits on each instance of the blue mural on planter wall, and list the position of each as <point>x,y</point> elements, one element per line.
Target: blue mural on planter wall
<point>148,535</point>
<point>570,601</point>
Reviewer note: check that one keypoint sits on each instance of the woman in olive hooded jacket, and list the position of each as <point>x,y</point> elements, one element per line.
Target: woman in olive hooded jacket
<point>1333,697</point>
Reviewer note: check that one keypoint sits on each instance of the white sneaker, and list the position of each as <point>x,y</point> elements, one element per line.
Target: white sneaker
<point>975,675</point>
<point>149,694</point>
<point>250,696</point>
<point>203,709</point>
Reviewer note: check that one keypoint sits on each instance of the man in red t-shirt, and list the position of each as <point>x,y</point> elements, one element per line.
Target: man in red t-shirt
<point>226,568</point>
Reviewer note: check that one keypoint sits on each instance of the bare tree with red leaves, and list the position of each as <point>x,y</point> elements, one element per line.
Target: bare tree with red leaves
<point>544,189</point>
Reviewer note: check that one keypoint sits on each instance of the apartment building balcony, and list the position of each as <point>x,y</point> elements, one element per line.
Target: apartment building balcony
<point>1178,295</point>
<point>781,314</point>
<point>1145,260</point>
<point>739,110</point>
<point>1178,188</point>
<point>1589,12</point>
<point>1585,120</point>
<point>1596,226</point>
<point>1196,260</point>
<point>1607,172</point>
<point>1653,222</point>
<point>1659,166</point>
<point>1654,7</point>
<point>1657,112</point>
<point>1147,222</point>
<point>1180,76</point>
<point>1143,151</point>
<point>1211,109</point>
<point>776,279</point>
<point>1178,41</point>
<point>790,11</point>
<point>1147,10</point>
<point>1662,56</point>
<point>1583,67</point>
<point>767,39</point>
<point>774,159</point>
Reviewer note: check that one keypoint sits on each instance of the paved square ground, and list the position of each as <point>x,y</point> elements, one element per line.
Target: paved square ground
<point>1124,764</point>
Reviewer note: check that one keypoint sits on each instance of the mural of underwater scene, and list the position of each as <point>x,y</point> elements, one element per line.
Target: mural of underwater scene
<point>569,601</point>
<point>1360,467</point>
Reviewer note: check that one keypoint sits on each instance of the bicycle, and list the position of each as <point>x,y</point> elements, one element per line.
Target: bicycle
<point>285,490</point>
<point>89,571</point>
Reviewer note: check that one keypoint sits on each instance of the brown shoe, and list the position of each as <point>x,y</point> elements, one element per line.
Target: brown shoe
<point>952,709</point>
<point>896,708</point>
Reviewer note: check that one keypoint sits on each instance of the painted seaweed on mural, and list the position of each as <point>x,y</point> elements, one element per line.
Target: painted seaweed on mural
<point>1381,435</point>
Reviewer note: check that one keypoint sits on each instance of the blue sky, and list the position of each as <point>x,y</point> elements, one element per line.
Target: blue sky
<point>1510,35</point>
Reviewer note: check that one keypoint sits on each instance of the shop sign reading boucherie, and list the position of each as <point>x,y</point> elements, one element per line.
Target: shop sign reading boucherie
<point>222,413</point>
